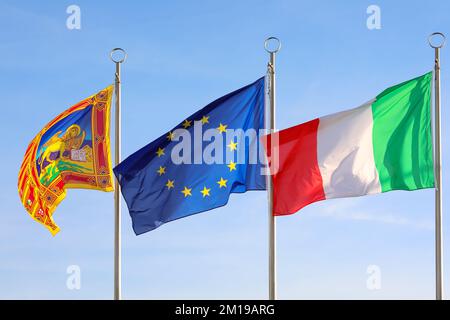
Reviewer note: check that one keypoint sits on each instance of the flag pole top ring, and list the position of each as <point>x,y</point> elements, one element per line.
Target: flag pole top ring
<point>123,54</point>
<point>273,40</point>
<point>441,35</point>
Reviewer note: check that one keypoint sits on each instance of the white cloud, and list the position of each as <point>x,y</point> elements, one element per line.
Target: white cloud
<point>349,209</point>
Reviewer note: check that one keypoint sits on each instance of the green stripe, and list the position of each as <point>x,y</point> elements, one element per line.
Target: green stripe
<point>402,138</point>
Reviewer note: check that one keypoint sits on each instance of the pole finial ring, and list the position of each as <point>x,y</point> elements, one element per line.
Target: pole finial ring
<point>274,40</point>
<point>441,35</point>
<point>123,53</point>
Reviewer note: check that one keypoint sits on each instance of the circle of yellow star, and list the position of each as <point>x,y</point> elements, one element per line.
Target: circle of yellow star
<point>232,145</point>
<point>205,119</point>
<point>170,136</point>
<point>161,170</point>
<point>205,191</point>
<point>186,191</point>
<point>187,123</point>
<point>170,184</point>
<point>232,166</point>
<point>222,128</point>
<point>160,152</point>
<point>222,182</point>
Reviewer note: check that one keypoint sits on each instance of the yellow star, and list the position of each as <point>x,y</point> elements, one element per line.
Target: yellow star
<point>160,152</point>
<point>161,170</point>
<point>222,182</point>
<point>232,145</point>
<point>187,123</point>
<point>170,184</point>
<point>170,136</point>
<point>222,128</point>
<point>232,166</point>
<point>205,119</point>
<point>186,191</point>
<point>205,191</point>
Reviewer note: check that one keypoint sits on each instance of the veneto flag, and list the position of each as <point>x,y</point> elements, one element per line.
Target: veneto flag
<point>71,151</point>
<point>383,145</point>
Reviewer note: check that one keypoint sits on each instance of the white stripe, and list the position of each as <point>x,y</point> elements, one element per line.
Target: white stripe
<point>345,153</point>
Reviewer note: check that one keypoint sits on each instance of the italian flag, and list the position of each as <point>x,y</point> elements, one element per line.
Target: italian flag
<point>383,145</point>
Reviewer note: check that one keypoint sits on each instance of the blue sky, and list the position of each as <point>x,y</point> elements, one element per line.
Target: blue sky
<point>182,55</point>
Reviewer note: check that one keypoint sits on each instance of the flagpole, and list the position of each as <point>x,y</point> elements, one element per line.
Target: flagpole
<point>272,222</point>
<point>437,164</point>
<point>117,152</point>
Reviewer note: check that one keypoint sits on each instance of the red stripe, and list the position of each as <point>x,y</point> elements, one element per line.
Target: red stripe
<point>100,122</point>
<point>31,194</point>
<point>24,181</point>
<point>101,155</point>
<point>298,181</point>
<point>73,178</point>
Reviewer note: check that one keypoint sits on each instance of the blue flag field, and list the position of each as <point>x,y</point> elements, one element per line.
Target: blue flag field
<point>197,165</point>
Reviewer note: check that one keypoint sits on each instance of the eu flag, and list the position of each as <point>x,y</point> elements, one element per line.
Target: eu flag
<point>197,165</point>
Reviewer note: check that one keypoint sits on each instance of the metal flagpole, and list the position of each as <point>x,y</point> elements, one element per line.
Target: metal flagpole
<point>272,221</point>
<point>437,163</point>
<point>117,151</point>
